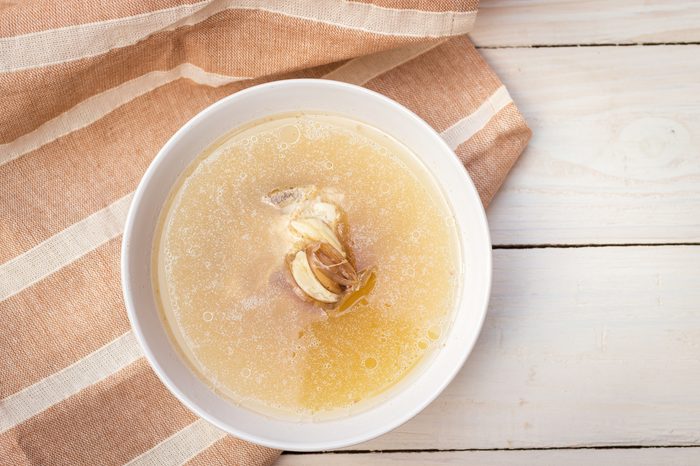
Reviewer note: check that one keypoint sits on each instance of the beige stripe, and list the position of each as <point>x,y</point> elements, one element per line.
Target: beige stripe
<point>363,69</point>
<point>181,446</point>
<point>39,48</point>
<point>109,422</point>
<point>442,85</point>
<point>93,108</point>
<point>61,319</point>
<point>87,371</point>
<point>40,15</point>
<point>63,248</point>
<point>490,154</point>
<point>476,121</point>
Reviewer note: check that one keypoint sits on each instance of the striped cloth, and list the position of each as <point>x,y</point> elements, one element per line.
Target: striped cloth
<point>90,91</point>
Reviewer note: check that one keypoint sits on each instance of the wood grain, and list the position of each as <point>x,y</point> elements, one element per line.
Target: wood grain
<point>636,457</point>
<point>615,152</point>
<point>581,347</point>
<point>533,22</point>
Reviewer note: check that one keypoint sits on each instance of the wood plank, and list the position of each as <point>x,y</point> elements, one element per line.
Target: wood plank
<point>615,153</point>
<point>637,457</point>
<point>581,347</point>
<point>533,22</point>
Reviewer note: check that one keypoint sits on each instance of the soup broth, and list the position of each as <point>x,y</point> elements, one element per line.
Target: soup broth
<point>222,273</point>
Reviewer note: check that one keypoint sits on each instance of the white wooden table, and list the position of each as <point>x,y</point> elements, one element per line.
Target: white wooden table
<point>591,349</point>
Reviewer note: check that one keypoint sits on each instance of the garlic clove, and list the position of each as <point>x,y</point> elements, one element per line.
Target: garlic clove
<point>319,269</point>
<point>329,265</point>
<point>306,280</point>
<point>326,281</point>
<point>326,212</point>
<point>314,229</point>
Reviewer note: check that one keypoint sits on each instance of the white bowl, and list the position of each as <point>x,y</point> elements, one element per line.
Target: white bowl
<point>416,390</point>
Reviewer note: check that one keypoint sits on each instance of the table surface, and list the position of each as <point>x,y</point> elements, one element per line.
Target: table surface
<point>591,348</point>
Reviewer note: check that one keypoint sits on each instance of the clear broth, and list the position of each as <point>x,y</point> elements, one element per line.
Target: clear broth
<point>219,268</point>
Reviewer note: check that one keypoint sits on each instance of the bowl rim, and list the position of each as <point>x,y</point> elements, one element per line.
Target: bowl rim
<point>173,387</point>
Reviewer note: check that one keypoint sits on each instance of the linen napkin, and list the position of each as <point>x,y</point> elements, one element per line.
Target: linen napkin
<point>90,91</point>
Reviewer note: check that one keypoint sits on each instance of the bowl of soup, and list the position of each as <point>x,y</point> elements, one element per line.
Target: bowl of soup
<point>306,264</point>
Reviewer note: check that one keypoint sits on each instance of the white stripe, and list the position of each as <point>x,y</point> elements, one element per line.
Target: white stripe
<point>475,122</point>
<point>181,446</point>
<point>86,40</point>
<point>93,108</point>
<point>89,370</point>
<point>63,248</point>
<point>363,69</point>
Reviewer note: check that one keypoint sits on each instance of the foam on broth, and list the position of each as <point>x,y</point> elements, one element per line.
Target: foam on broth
<point>219,267</point>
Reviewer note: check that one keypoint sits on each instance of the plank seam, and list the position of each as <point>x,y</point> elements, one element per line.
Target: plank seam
<point>437,450</point>
<point>589,245</point>
<point>593,44</point>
